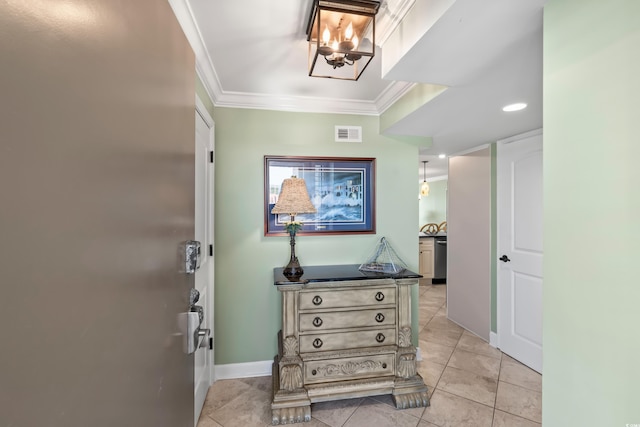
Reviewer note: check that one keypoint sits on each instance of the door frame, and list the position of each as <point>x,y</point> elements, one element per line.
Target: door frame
<point>499,284</point>
<point>204,113</point>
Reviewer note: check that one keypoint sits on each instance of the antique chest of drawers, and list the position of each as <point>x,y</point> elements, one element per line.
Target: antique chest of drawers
<point>344,334</point>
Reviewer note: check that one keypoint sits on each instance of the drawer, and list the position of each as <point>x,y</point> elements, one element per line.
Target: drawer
<point>347,340</point>
<point>347,319</point>
<point>349,368</point>
<point>426,243</point>
<point>346,298</point>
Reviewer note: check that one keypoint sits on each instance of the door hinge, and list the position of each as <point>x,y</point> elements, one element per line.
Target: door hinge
<point>210,250</point>
<point>211,156</point>
<point>210,343</point>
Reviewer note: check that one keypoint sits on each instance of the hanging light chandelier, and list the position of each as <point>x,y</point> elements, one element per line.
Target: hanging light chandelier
<point>424,188</point>
<point>341,32</point>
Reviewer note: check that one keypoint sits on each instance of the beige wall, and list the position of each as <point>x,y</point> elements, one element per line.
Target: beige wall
<point>97,189</point>
<point>469,241</point>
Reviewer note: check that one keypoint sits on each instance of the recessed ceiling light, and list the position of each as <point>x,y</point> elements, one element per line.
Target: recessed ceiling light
<point>514,107</point>
<point>442,156</point>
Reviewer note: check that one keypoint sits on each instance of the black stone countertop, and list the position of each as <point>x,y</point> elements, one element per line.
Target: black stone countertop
<point>332,273</point>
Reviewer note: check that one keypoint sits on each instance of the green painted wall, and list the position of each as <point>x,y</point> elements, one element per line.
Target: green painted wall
<point>247,305</point>
<point>591,213</point>
<point>433,208</point>
<point>416,97</point>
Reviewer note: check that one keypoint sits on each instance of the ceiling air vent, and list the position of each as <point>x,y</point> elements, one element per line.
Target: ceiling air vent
<point>348,133</point>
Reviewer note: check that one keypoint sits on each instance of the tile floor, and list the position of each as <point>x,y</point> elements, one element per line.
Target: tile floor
<point>470,383</point>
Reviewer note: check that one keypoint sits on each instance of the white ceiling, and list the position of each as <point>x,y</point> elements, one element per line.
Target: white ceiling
<point>253,53</point>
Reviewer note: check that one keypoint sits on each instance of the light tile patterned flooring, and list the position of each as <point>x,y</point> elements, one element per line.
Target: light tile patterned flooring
<point>470,383</point>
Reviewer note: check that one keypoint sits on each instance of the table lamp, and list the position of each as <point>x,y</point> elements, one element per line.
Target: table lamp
<point>293,199</point>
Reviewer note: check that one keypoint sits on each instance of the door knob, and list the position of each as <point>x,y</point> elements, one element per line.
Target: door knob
<point>504,258</point>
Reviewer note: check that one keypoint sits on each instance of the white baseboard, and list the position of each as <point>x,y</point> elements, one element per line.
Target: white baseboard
<point>243,370</point>
<point>418,354</point>
<point>493,340</point>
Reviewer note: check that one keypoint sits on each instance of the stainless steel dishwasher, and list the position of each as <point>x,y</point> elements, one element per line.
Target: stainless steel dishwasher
<point>439,260</point>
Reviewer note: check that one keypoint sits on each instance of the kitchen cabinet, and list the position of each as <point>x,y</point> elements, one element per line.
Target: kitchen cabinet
<point>426,247</point>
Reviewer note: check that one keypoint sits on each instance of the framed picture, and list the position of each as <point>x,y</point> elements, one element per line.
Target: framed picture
<point>342,189</point>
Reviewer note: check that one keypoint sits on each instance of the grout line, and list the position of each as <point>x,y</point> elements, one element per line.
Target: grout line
<point>447,365</point>
<point>520,416</point>
<point>521,386</point>
<point>495,399</point>
<point>354,411</point>
<point>448,359</point>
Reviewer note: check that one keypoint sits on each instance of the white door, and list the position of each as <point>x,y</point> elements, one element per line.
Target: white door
<point>519,186</point>
<point>203,363</point>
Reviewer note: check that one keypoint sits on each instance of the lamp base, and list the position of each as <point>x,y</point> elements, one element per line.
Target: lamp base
<point>293,269</point>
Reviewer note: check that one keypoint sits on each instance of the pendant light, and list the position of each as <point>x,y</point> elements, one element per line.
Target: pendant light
<point>424,188</point>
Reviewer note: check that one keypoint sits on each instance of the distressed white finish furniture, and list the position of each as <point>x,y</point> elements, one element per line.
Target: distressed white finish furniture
<point>426,247</point>
<point>344,334</point>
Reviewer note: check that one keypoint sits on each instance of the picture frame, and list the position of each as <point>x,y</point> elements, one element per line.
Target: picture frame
<point>342,189</point>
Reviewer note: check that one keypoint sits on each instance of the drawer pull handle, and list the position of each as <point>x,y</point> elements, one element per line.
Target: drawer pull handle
<point>316,300</point>
<point>315,372</point>
<point>384,366</point>
<point>379,317</point>
<point>317,322</point>
<point>317,343</point>
<point>380,337</point>
<point>379,296</point>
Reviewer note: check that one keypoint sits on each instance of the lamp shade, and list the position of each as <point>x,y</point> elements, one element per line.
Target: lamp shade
<point>294,198</point>
<point>424,189</point>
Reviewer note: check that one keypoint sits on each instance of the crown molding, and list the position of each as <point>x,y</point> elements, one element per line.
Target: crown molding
<point>296,103</point>
<point>389,17</point>
<point>391,94</point>
<point>520,136</point>
<point>221,98</point>
<point>434,178</point>
<point>437,178</point>
<point>204,64</point>
<point>470,150</point>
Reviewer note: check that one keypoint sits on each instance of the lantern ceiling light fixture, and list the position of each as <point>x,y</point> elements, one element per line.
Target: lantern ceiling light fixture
<point>341,32</point>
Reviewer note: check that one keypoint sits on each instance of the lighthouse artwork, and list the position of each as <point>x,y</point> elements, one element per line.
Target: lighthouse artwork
<point>341,190</point>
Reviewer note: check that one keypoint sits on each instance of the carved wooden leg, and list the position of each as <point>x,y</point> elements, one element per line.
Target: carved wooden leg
<point>290,403</point>
<point>409,390</point>
<point>410,393</point>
